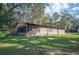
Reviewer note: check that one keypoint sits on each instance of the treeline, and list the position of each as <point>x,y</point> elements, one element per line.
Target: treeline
<point>35,13</point>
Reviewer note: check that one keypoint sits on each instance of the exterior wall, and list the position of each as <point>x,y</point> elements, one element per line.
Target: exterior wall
<point>43,31</point>
<point>53,32</point>
<point>38,30</point>
<point>78,30</point>
<point>61,31</point>
<point>35,31</point>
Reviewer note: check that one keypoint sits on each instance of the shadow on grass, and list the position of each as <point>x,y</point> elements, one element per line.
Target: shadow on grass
<point>36,45</point>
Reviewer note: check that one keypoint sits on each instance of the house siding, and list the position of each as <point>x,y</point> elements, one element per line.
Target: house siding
<point>44,31</point>
<point>53,32</point>
<point>61,31</point>
<point>38,30</point>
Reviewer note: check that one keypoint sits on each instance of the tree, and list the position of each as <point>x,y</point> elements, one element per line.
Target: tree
<point>66,21</point>
<point>5,17</point>
<point>31,13</point>
<point>75,25</point>
<point>13,12</point>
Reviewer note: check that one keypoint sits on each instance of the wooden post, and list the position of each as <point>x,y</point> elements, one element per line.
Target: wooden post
<point>26,31</point>
<point>47,31</point>
<point>57,31</point>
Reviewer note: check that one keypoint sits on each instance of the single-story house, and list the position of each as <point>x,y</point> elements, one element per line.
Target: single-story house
<point>78,30</point>
<point>35,29</point>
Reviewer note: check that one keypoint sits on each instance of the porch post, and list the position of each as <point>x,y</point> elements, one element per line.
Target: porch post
<point>26,30</point>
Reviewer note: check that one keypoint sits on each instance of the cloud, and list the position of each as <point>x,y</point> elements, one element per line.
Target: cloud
<point>65,5</point>
<point>77,16</point>
<point>75,8</point>
<point>74,11</point>
<point>56,7</point>
<point>47,10</point>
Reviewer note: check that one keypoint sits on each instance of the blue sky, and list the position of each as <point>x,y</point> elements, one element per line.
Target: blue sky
<point>72,8</point>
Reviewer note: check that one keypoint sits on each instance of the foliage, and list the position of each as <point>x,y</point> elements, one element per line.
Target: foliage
<point>21,12</point>
<point>11,13</point>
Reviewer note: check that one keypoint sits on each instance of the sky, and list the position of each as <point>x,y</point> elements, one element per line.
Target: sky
<point>72,8</point>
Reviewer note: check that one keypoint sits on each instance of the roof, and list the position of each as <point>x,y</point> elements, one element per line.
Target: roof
<point>59,27</point>
<point>46,26</point>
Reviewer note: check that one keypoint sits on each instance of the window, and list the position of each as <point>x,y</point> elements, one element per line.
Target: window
<point>50,29</point>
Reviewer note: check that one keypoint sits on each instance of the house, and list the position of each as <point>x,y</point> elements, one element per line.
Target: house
<point>35,29</point>
<point>78,30</point>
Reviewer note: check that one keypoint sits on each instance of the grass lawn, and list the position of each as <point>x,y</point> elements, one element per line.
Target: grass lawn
<point>38,45</point>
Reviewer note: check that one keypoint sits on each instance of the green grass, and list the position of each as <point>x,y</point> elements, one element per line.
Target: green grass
<point>38,45</point>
